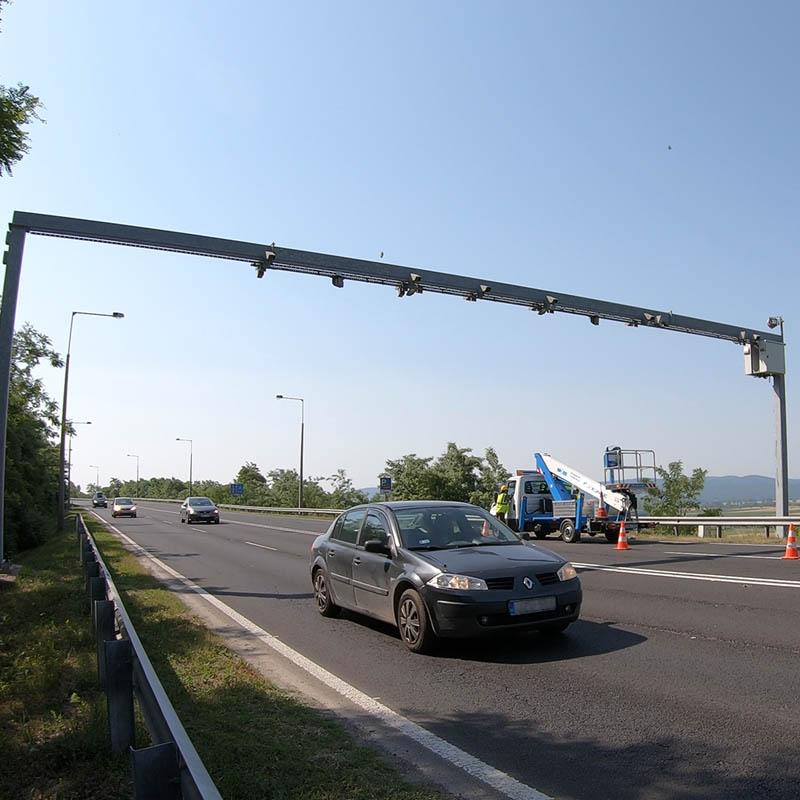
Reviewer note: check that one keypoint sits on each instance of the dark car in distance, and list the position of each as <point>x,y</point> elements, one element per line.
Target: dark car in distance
<point>199,509</point>
<point>99,499</point>
<point>440,569</point>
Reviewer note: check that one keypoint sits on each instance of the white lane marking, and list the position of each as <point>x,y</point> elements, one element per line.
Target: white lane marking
<point>721,555</point>
<point>692,576</point>
<point>480,770</point>
<point>251,524</point>
<point>275,549</point>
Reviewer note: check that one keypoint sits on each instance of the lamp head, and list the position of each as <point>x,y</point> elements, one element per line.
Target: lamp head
<point>118,315</point>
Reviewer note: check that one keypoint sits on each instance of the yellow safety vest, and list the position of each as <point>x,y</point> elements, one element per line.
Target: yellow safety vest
<point>502,503</point>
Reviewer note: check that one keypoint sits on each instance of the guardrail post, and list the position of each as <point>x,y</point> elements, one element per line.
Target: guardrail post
<point>91,569</point>
<point>103,623</point>
<point>97,586</point>
<point>155,772</point>
<point>701,531</point>
<point>119,692</point>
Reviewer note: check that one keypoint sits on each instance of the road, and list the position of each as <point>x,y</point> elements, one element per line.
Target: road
<point>679,681</point>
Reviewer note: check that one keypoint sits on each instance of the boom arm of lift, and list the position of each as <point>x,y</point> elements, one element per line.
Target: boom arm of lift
<point>554,471</point>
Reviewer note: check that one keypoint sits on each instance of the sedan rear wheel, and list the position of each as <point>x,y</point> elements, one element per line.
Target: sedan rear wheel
<point>413,623</point>
<point>322,595</point>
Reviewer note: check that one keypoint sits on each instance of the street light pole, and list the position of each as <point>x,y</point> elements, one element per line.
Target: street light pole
<point>133,455</point>
<point>302,431</point>
<point>178,439</point>
<point>61,460</point>
<point>69,458</point>
<point>97,479</point>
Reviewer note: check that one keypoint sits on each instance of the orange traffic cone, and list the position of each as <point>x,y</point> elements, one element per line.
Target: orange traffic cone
<point>601,509</point>
<point>485,530</point>
<point>622,541</point>
<point>791,544</point>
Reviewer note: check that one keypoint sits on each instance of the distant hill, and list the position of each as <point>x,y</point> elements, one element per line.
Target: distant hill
<point>370,491</point>
<point>736,489</point>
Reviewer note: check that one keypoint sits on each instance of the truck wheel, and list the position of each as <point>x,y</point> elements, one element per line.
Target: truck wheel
<point>612,536</point>
<point>569,533</point>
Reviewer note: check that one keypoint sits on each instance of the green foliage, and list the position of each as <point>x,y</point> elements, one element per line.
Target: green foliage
<point>678,493</point>
<point>456,475</point>
<point>411,476</point>
<point>343,494</point>
<point>17,108</point>
<point>31,453</point>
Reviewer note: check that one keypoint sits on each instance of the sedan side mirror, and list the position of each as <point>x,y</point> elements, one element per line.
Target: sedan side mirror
<point>377,546</point>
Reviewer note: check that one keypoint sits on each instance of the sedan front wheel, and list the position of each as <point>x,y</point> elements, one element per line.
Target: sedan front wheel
<point>414,624</point>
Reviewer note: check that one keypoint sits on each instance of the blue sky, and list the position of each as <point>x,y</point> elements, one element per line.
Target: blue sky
<point>520,142</point>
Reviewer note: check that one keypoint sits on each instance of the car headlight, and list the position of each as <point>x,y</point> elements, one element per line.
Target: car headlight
<point>464,583</point>
<point>192,511</point>
<point>567,572</point>
<point>133,508</point>
<point>216,511</point>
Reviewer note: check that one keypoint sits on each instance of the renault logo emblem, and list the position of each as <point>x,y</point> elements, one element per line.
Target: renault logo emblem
<point>527,582</point>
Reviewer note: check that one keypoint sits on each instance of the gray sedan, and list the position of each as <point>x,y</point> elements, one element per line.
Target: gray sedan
<point>440,569</point>
<point>199,509</point>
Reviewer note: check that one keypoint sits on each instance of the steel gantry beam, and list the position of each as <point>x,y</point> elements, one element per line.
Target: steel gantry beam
<point>407,281</point>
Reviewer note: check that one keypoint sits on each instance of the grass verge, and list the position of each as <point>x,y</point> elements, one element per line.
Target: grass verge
<point>255,740</point>
<point>52,711</point>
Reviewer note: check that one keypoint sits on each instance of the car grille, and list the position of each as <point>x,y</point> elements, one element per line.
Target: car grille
<point>500,583</point>
<point>546,578</point>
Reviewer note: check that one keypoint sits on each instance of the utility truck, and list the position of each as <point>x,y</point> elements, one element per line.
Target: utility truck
<point>557,498</point>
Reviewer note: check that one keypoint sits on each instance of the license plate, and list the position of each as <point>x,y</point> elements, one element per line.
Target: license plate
<point>531,605</point>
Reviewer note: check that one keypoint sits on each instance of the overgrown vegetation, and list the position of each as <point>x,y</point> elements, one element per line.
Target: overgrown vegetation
<point>31,452</point>
<point>52,712</point>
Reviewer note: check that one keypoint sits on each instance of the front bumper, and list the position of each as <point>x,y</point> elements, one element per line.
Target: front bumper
<point>478,613</point>
<point>127,512</point>
<point>202,517</point>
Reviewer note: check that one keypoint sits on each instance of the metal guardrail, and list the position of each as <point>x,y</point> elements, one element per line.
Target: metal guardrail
<point>766,521</point>
<point>124,669</point>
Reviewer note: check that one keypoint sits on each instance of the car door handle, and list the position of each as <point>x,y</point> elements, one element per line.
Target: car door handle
<point>331,553</point>
<point>357,560</point>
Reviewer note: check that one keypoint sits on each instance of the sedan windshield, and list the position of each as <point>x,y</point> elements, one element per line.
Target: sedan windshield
<point>200,501</point>
<point>124,501</point>
<point>443,528</point>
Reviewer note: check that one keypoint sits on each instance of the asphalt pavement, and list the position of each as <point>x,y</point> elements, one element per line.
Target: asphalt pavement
<point>679,680</point>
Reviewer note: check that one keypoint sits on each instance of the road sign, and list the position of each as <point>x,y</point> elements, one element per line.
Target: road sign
<point>386,484</point>
<point>237,488</point>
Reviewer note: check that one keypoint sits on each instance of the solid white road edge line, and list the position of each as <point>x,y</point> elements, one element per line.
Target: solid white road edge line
<point>492,777</point>
<point>249,524</point>
<point>776,557</point>
<point>262,546</point>
<point>692,576</point>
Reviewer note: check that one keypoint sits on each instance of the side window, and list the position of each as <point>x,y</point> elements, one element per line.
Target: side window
<point>511,485</point>
<point>348,532</point>
<point>374,528</point>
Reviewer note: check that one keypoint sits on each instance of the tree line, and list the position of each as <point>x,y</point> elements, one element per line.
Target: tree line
<point>456,475</point>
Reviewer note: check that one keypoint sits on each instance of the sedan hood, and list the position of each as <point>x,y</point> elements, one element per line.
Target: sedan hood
<point>487,559</point>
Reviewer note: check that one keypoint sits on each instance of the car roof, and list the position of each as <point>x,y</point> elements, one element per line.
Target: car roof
<point>410,505</point>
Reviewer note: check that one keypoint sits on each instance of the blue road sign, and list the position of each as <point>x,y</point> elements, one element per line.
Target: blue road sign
<point>237,488</point>
<point>386,484</point>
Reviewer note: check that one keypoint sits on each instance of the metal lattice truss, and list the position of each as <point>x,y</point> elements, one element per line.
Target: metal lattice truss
<point>407,281</point>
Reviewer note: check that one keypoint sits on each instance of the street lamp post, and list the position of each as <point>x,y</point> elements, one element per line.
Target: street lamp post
<point>133,455</point>
<point>97,479</point>
<point>61,461</point>
<point>302,428</point>
<point>69,457</point>
<point>178,439</point>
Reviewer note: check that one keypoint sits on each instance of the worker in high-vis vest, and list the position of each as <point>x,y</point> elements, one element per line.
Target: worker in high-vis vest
<point>501,504</point>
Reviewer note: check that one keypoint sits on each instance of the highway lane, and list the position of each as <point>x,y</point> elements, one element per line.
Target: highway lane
<point>667,687</point>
